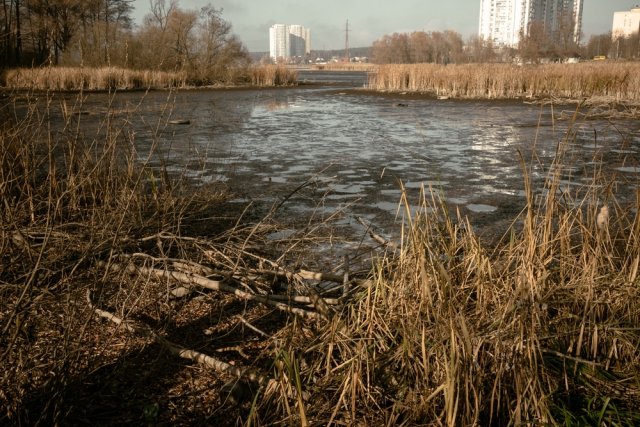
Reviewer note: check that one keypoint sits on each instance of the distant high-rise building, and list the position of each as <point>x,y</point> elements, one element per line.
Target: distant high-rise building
<point>503,21</point>
<point>279,41</point>
<point>626,24</point>
<point>287,41</point>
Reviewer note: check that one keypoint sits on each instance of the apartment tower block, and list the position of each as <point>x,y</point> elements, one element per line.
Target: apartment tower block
<point>503,21</point>
<point>626,24</point>
<point>288,41</point>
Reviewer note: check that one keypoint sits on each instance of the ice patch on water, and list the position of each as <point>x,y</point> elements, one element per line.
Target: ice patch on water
<point>629,169</point>
<point>480,208</point>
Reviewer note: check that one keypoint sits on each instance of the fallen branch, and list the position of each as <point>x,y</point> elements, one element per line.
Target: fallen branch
<point>311,275</point>
<point>301,299</point>
<point>322,277</point>
<point>179,263</point>
<point>281,272</point>
<point>185,353</point>
<point>217,285</point>
<point>250,326</point>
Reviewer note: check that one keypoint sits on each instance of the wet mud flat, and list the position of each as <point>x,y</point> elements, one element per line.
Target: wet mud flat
<point>333,153</point>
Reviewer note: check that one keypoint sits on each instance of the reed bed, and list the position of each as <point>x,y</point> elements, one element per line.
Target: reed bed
<point>541,332</point>
<point>614,81</point>
<point>271,75</point>
<point>541,329</point>
<point>105,261</point>
<point>111,78</point>
<point>80,78</point>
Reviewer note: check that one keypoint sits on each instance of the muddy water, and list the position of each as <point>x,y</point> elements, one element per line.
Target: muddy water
<point>355,151</point>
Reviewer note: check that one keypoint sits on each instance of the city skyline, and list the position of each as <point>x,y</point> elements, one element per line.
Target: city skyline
<point>251,19</point>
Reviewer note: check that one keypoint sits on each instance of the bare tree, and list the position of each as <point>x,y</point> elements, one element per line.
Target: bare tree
<point>564,37</point>
<point>536,44</point>
<point>10,33</point>
<point>116,15</point>
<point>479,50</point>
<point>180,29</point>
<point>153,43</point>
<point>599,45</point>
<point>627,47</point>
<point>419,47</point>
<point>219,49</point>
<point>53,24</point>
<point>160,12</point>
<point>199,42</point>
<point>454,47</point>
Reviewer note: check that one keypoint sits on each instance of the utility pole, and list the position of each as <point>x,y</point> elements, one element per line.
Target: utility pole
<point>346,43</point>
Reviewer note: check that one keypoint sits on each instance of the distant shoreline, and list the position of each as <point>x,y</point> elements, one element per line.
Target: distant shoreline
<point>591,84</point>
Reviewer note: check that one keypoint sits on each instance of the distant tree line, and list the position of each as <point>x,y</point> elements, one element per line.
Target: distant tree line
<point>101,32</point>
<point>200,42</point>
<point>539,43</point>
<point>616,48</point>
<point>419,47</point>
<point>44,31</point>
<point>535,46</point>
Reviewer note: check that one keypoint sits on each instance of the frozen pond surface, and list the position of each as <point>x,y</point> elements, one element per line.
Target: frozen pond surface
<point>356,150</point>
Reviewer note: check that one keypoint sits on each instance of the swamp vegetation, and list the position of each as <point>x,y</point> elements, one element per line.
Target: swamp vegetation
<point>609,82</point>
<point>130,296</point>
<point>114,78</point>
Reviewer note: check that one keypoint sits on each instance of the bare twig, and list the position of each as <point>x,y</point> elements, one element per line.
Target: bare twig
<point>378,238</point>
<point>253,328</point>
<point>568,357</point>
<point>217,285</point>
<point>185,353</point>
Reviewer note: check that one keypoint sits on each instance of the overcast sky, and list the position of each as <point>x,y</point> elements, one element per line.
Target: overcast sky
<point>368,19</point>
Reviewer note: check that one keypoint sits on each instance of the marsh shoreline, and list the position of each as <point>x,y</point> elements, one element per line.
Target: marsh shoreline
<point>160,274</point>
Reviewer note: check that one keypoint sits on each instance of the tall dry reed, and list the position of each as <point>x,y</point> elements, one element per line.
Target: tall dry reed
<point>271,75</point>
<point>110,78</point>
<point>540,330</point>
<point>73,199</point>
<point>80,78</point>
<point>615,81</point>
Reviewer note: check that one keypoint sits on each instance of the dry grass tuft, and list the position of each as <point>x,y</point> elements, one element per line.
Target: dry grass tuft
<point>542,329</point>
<point>272,75</point>
<point>619,81</point>
<point>71,206</point>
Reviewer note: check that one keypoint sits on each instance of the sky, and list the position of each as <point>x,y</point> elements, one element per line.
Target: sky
<point>368,19</point>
